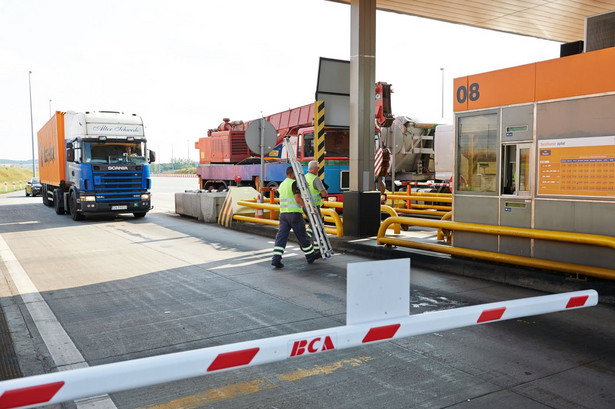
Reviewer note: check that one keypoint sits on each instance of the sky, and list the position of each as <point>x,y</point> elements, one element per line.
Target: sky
<point>183,65</point>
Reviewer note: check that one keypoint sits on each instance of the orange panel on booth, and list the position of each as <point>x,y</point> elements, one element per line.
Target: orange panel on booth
<point>576,75</point>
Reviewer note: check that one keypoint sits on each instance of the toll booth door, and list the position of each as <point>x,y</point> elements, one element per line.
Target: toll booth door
<point>516,200</point>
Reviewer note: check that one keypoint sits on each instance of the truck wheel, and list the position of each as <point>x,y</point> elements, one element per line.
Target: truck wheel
<point>45,197</point>
<point>72,207</point>
<point>138,215</point>
<point>58,201</point>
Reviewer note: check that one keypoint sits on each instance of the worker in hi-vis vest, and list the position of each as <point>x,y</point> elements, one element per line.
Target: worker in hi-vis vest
<point>291,217</point>
<point>319,194</point>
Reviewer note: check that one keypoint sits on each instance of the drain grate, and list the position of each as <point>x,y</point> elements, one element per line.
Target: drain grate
<point>9,366</point>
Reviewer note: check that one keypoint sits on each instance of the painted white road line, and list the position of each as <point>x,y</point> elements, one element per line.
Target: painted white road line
<point>63,351</point>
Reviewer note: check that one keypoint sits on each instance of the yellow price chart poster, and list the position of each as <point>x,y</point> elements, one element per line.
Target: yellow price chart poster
<point>577,166</point>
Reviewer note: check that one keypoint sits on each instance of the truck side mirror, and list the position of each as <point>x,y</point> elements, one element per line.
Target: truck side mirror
<point>152,156</point>
<point>70,155</point>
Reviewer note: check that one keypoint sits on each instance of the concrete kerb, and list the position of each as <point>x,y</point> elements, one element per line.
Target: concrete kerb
<point>542,280</point>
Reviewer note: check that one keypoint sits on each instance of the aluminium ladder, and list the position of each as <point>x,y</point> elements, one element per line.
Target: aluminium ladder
<point>313,212</point>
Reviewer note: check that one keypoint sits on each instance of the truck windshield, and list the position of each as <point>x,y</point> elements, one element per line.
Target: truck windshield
<point>114,152</point>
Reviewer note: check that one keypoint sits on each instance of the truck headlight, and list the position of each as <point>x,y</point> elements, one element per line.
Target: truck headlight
<point>145,196</point>
<point>88,198</point>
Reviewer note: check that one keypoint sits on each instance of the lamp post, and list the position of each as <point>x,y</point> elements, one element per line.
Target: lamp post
<point>31,122</point>
<point>442,88</point>
<point>49,108</point>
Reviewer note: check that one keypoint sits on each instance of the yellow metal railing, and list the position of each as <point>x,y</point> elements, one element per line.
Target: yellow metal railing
<point>328,215</point>
<point>392,213</point>
<point>579,238</point>
<point>421,208</point>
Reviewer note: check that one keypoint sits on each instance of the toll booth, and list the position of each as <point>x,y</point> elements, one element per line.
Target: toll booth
<point>535,148</point>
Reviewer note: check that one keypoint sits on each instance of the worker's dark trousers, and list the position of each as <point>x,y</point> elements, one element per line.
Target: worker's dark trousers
<point>310,230</point>
<point>293,221</point>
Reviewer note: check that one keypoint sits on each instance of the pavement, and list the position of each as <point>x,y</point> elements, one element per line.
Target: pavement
<point>175,284</point>
<point>536,279</point>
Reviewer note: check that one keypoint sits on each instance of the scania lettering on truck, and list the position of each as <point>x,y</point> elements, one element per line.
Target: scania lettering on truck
<point>95,163</point>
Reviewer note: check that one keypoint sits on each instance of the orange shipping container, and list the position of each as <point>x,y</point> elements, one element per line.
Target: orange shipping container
<point>52,151</point>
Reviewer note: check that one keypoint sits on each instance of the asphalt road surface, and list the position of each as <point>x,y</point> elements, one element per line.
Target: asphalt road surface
<point>110,290</point>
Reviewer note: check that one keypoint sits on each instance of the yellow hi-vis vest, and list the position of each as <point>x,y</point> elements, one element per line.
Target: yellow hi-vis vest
<point>288,204</point>
<point>316,197</point>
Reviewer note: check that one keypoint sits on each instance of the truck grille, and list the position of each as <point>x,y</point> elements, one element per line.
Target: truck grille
<point>118,186</point>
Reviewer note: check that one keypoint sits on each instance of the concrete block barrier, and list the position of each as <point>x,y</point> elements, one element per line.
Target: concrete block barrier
<point>188,204</point>
<point>210,206</point>
<point>204,206</point>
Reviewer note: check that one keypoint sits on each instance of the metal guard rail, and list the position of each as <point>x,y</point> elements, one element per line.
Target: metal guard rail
<point>329,215</point>
<point>425,198</point>
<point>579,238</point>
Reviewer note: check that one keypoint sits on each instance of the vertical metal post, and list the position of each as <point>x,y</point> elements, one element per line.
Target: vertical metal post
<point>362,99</point>
<point>261,180</point>
<point>361,202</point>
<point>442,88</point>
<point>50,115</point>
<point>31,122</point>
<point>392,147</point>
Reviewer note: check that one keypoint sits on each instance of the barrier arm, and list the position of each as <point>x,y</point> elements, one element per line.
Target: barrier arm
<point>367,307</point>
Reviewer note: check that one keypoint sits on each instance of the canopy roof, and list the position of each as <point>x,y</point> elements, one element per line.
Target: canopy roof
<point>558,20</point>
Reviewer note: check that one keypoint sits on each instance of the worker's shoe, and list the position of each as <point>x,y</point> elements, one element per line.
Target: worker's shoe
<point>317,255</point>
<point>277,264</point>
<point>310,259</point>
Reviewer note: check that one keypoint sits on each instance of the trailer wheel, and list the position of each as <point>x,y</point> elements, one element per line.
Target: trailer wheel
<point>72,208</point>
<point>58,201</point>
<point>45,196</point>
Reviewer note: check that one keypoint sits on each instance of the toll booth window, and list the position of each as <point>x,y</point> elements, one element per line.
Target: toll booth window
<point>516,169</point>
<point>477,153</point>
<point>509,173</point>
<point>524,169</point>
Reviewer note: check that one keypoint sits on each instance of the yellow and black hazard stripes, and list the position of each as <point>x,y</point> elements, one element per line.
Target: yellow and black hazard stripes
<point>319,137</point>
<point>226,211</point>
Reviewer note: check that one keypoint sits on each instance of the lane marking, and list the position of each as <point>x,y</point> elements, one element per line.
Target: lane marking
<point>217,395</point>
<point>235,390</point>
<point>63,351</point>
<point>323,369</point>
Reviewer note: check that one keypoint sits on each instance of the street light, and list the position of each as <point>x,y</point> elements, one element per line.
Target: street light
<point>442,88</point>
<point>31,121</point>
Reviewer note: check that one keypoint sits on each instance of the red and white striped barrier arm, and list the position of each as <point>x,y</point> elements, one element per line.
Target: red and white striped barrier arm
<point>80,383</point>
